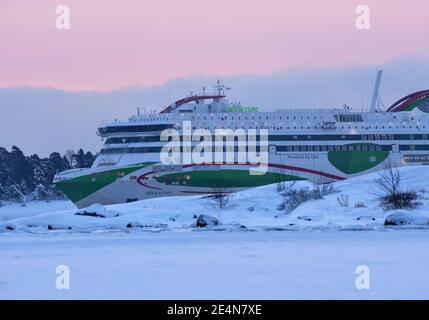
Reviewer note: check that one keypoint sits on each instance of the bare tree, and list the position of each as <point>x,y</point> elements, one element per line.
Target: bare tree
<point>343,200</point>
<point>323,186</point>
<point>389,180</point>
<point>220,193</point>
<point>280,181</point>
<point>391,194</point>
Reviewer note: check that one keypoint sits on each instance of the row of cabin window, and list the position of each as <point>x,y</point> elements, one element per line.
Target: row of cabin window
<point>319,127</point>
<point>340,118</point>
<point>355,137</point>
<point>294,148</point>
<point>354,148</point>
<point>154,128</point>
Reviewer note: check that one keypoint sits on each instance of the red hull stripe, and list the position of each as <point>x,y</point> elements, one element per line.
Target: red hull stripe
<point>139,180</point>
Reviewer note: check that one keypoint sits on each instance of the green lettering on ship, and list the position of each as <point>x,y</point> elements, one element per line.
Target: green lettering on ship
<point>80,187</point>
<point>351,162</point>
<point>224,178</point>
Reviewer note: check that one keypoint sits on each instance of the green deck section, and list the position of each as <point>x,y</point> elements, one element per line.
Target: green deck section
<point>350,162</point>
<point>80,187</point>
<point>224,178</point>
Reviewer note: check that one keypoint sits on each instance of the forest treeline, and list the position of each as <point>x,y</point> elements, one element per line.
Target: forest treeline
<point>27,178</point>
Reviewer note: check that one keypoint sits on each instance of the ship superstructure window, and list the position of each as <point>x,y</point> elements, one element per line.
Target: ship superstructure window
<point>132,139</point>
<point>348,118</point>
<point>141,128</point>
<point>416,158</point>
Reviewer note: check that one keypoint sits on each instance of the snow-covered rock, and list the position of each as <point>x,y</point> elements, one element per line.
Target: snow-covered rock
<point>404,217</point>
<point>205,220</point>
<point>97,210</point>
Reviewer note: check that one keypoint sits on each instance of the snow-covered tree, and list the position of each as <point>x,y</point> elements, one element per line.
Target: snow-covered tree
<point>23,178</point>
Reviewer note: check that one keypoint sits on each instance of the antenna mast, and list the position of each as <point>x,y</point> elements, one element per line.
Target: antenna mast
<point>375,94</point>
<point>219,88</point>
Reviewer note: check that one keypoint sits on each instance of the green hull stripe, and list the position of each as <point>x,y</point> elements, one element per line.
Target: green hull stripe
<point>356,162</point>
<point>224,178</point>
<point>81,187</point>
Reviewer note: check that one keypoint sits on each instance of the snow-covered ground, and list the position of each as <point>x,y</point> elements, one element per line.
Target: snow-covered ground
<point>255,208</point>
<point>217,265</point>
<point>151,249</point>
<point>11,211</point>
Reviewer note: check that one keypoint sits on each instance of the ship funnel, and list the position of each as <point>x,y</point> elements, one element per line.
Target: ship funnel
<point>376,90</point>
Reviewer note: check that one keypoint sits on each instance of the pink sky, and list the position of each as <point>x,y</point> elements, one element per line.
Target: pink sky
<point>113,44</point>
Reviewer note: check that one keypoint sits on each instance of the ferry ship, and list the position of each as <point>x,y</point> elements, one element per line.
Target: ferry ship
<point>318,145</point>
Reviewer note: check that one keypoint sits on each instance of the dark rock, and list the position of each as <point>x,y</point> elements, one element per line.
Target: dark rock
<point>134,225</point>
<point>90,214</point>
<point>205,220</point>
<point>365,218</point>
<point>396,219</point>
<point>50,227</point>
<point>10,227</point>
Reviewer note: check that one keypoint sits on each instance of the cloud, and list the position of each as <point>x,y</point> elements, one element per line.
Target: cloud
<point>42,120</point>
